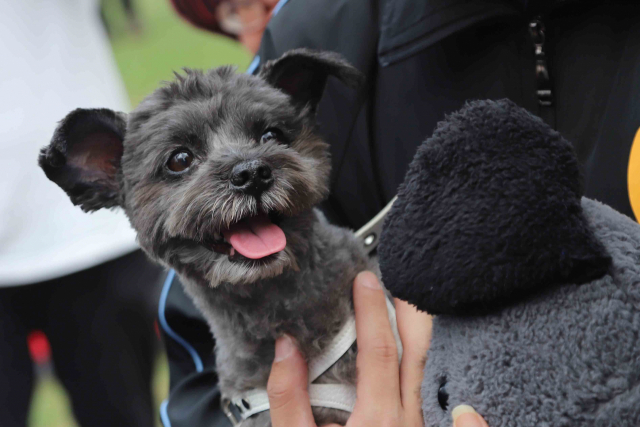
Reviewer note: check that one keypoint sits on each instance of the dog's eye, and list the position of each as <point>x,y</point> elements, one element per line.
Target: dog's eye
<point>443,395</point>
<point>180,161</point>
<point>271,134</point>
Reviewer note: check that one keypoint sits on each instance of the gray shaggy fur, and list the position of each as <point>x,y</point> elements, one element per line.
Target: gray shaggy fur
<point>538,288</point>
<point>219,116</point>
<point>567,357</point>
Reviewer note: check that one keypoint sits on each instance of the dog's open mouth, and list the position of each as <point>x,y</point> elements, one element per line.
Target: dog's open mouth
<point>255,238</point>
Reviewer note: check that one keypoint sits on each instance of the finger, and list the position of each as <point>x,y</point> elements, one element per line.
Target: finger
<point>378,383</point>
<point>287,387</point>
<point>415,332</point>
<point>466,416</point>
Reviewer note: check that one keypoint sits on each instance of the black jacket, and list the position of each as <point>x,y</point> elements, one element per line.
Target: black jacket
<point>424,59</point>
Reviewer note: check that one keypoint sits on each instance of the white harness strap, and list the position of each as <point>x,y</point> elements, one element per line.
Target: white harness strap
<point>337,396</point>
<point>334,351</point>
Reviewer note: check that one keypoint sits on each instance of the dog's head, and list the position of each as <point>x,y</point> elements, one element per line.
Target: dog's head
<point>213,169</point>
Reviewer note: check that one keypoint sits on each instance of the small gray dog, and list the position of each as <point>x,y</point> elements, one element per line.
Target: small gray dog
<point>219,174</point>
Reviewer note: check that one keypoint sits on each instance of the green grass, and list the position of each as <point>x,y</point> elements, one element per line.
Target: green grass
<point>165,44</point>
<point>50,406</point>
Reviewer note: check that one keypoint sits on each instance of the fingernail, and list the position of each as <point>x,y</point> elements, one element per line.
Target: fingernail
<point>284,348</point>
<point>466,416</point>
<point>369,280</point>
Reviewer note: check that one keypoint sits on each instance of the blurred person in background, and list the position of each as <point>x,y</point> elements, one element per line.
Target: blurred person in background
<point>129,8</point>
<point>575,63</point>
<point>242,20</point>
<point>78,278</point>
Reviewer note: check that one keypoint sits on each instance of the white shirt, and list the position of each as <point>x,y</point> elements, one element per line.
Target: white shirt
<point>55,57</point>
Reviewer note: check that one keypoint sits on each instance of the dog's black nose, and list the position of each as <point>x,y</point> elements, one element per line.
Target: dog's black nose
<point>251,177</point>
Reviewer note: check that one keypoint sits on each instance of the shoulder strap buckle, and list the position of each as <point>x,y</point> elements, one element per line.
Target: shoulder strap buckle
<point>227,409</point>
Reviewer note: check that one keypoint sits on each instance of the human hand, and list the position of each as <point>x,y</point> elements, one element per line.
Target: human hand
<point>388,391</point>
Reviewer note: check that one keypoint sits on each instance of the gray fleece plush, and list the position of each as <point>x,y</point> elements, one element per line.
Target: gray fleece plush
<point>567,357</point>
<point>536,289</point>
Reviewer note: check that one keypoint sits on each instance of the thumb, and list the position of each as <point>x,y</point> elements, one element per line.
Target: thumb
<point>466,416</point>
<point>287,387</point>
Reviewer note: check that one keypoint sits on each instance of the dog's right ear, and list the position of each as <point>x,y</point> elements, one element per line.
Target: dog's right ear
<point>84,157</point>
<point>303,74</point>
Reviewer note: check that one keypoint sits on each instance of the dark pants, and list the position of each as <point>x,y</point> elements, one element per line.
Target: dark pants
<point>100,325</point>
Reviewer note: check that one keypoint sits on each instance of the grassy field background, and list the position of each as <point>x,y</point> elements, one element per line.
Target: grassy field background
<point>166,44</point>
<point>163,44</point>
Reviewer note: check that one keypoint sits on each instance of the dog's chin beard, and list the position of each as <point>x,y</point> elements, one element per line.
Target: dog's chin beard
<point>239,273</point>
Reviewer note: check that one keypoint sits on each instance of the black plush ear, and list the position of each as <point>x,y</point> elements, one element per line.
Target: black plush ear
<point>489,213</point>
<point>84,157</point>
<point>303,73</point>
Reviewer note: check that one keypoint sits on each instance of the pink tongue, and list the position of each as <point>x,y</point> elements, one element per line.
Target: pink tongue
<point>256,237</point>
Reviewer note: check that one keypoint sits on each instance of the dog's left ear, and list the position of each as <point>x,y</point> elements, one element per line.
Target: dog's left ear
<point>84,157</point>
<point>303,74</point>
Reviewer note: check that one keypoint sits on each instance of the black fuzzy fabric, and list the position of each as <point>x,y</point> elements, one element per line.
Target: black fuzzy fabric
<point>489,212</point>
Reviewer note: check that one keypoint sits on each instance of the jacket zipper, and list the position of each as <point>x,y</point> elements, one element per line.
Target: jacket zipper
<point>544,92</point>
<point>543,81</point>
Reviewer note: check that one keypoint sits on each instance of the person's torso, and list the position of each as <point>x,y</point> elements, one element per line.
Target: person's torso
<point>57,58</point>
